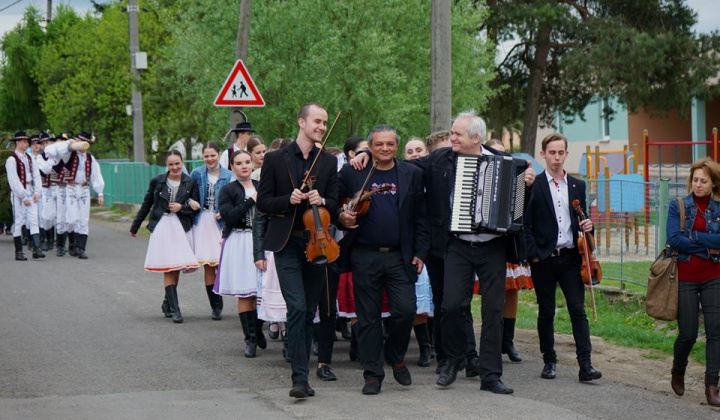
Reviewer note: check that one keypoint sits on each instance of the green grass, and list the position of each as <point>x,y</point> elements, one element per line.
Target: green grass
<point>621,321</point>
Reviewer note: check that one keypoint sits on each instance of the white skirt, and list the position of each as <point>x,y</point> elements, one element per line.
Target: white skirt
<point>237,275</point>
<point>170,247</point>
<point>207,238</point>
<point>273,308</point>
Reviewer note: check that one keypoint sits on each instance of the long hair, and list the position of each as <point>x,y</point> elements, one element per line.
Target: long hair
<point>712,169</point>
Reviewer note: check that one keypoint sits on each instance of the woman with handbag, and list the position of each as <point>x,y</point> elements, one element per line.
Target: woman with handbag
<point>170,246</point>
<point>698,273</point>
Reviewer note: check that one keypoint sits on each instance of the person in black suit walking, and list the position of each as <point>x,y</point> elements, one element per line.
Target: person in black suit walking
<point>386,249</point>
<point>281,199</point>
<point>551,235</point>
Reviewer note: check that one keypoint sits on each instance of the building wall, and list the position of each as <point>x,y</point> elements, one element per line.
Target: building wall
<point>661,129</point>
<point>712,116</point>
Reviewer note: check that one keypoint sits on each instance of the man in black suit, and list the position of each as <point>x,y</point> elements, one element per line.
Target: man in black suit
<point>551,232</point>
<point>281,199</point>
<point>387,248</point>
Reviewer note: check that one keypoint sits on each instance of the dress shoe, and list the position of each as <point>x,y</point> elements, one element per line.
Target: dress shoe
<point>371,387</point>
<point>548,371</point>
<point>496,387</point>
<point>299,390</point>
<point>440,365</point>
<point>678,381</point>
<point>588,373</point>
<point>274,334</point>
<point>449,373</point>
<point>711,390</point>
<point>473,368</point>
<point>325,373</point>
<point>401,374</point>
<point>310,391</point>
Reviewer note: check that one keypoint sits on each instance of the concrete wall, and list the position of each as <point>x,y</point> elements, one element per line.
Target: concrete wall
<point>662,129</point>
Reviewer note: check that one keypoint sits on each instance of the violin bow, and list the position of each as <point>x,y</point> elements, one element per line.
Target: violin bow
<point>586,257</point>
<point>322,146</point>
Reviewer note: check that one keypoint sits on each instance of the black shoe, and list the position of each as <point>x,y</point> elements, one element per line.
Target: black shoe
<point>473,368</point>
<point>401,374</point>
<point>274,335</point>
<point>325,373</point>
<point>299,390</point>
<point>314,348</point>
<point>310,391</point>
<point>449,373</point>
<point>496,387</point>
<point>19,256</point>
<point>548,371</point>
<point>166,308</point>
<point>588,373</point>
<point>371,387</point>
<point>441,364</point>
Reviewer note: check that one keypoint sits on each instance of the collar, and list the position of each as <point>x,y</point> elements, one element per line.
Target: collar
<point>551,179</point>
<point>296,150</point>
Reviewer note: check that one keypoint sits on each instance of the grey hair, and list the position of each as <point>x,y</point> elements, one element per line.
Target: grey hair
<point>477,124</point>
<point>381,129</point>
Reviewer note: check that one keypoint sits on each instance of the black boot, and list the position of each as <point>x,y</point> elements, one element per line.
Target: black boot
<point>43,235</point>
<point>260,337</point>
<point>248,326</point>
<point>423,338</point>
<point>71,244</point>
<point>507,342</point>
<point>216,303</point>
<point>166,306</point>
<point>61,244</point>
<point>37,252</point>
<point>81,242</point>
<point>19,256</point>
<point>174,306</point>
<point>353,342</point>
<point>26,237</point>
<point>49,239</point>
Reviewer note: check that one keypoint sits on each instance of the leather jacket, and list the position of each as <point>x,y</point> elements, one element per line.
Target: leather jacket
<point>157,199</point>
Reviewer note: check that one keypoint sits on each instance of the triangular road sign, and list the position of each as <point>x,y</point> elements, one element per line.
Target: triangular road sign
<point>239,89</point>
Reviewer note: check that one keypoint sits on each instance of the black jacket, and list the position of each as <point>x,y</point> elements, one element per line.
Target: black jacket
<point>414,230</point>
<point>234,206</point>
<point>260,222</point>
<point>157,197</point>
<point>541,228</point>
<point>277,182</point>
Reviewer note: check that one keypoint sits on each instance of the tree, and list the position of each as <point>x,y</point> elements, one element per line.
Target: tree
<point>569,52</point>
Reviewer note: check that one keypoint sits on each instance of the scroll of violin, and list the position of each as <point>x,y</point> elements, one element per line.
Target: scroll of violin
<point>591,272</point>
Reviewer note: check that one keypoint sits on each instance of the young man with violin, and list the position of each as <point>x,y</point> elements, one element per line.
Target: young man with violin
<point>282,198</point>
<point>386,249</point>
<point>553,254</point>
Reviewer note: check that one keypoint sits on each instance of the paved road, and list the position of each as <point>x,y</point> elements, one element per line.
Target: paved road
<point>87,340</point>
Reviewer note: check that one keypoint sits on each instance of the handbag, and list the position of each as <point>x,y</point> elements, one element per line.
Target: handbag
<point>661,301</point>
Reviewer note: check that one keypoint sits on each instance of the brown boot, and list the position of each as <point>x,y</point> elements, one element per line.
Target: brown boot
<point>678,380</point>
<point>711,390</point>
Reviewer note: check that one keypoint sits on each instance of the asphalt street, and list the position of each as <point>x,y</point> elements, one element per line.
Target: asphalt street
<point>87,340</point>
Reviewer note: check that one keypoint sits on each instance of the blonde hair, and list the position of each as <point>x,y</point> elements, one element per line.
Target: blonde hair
<point>433,139</point>
<point>712,169</point>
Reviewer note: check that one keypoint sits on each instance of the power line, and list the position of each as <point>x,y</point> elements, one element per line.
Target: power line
<point>10,5</point>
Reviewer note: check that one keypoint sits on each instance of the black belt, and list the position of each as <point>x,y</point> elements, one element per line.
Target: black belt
<point>474,244</point>
<point>383,249</point>
<point>559,252</point>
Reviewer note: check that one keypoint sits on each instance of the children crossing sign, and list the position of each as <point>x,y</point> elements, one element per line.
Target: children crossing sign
<point>239,89</point>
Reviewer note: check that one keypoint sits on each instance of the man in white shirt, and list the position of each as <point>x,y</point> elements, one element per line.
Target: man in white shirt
<point>243,131</point>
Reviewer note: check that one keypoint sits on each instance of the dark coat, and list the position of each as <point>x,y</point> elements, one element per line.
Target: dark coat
<point>157,199</point>
<point>414,227</point>
<point>540,225</point>
<point>277,182</point>
<point>233,207</point>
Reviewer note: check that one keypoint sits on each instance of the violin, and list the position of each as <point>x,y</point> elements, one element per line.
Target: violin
<point>360,201</point>
<point>322,248</point>
<point>590,272</point>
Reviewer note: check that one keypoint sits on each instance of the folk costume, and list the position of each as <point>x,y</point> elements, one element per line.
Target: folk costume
<point>243,127</point>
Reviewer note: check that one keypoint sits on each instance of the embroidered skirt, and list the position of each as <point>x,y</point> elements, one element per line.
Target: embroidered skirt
<point>170,247</point>
<point>236,274</point>
<point>207,238</point>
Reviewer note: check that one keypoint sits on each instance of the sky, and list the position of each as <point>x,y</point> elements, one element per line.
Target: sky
<point>708,15</point>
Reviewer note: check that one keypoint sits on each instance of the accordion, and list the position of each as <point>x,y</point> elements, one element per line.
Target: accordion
<point>488,194</point>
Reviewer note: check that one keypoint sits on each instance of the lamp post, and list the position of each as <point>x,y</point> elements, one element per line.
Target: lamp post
<point>138,61</point>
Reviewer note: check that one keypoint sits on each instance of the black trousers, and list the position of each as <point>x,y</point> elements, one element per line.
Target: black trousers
<point>547,275</point>
<point>706,294</point>
<point>325,336</point>
<point>300,283</point>
<point>374,272</point>
<point>487,261</point>
<point>436,272</point>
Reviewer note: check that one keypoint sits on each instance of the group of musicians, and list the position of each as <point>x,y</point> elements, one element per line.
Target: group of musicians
<point>408,225</point>
<point>50,179</point>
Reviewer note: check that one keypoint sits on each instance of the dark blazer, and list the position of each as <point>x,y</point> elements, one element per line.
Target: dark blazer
<point>439,174</point>
<point>259,228</point>
<point>157,197</point>
<point>277,182</point>
<point>540,225</point>
<point>414,227</point>
<point>233,207</point>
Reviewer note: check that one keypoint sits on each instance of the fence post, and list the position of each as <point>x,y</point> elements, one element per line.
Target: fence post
<point>662,213</point>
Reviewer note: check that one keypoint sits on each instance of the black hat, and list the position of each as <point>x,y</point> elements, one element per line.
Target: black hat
<point>45,136</point>
<point>20,135</point>
<point>35,138</point>
<point>243,126</point>
<point>85,136</point>
<point>67,135</point>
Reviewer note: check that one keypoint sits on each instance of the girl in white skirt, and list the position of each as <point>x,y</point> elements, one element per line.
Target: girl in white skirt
<point>170,246</point>
<point>237,275</point>
<point>207,223</point>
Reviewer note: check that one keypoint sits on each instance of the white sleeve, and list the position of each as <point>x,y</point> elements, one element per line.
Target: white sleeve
<point>59,150</point>
<point>97,181</point>
<point>15,184</point>
<point>37,181</point>
<point>45,166</point>
<point>224,160</point>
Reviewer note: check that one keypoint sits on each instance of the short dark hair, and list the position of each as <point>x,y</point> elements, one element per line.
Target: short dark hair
<point>382,128</point>
<point>305,109</point>
<point>553,137</point>
<point>286,142</point>
<point>351,145</point>
<point>211,145</point>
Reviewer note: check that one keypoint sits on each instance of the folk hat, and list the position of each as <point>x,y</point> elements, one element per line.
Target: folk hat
<point>20,135</point>
<point>85,136</point>
<point>35,138</point>
<point>243,127</point>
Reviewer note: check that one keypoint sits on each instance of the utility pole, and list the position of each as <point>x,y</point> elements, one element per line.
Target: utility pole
<point>241,50</point>
<point>48,13</point>
<point>138,139</point>
<point>440,66</point>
